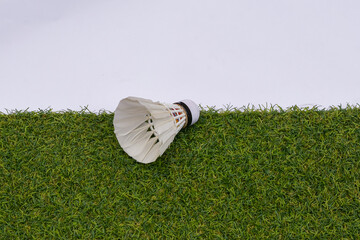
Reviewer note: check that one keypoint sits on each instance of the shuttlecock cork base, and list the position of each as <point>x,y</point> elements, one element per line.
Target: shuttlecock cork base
<point>145,129</point>
<point>191,109</point>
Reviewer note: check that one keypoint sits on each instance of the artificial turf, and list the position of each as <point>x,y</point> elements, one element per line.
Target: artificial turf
<point>249,174</point>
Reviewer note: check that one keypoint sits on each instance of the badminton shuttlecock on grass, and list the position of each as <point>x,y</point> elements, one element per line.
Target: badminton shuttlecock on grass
<point>145,129</point>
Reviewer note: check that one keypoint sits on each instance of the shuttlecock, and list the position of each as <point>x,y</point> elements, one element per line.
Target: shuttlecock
<point>145,129</point>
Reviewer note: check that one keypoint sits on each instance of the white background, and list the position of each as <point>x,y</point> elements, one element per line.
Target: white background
<point>67,54</point>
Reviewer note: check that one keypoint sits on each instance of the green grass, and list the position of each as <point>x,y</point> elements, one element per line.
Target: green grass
<point>252,174</point>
